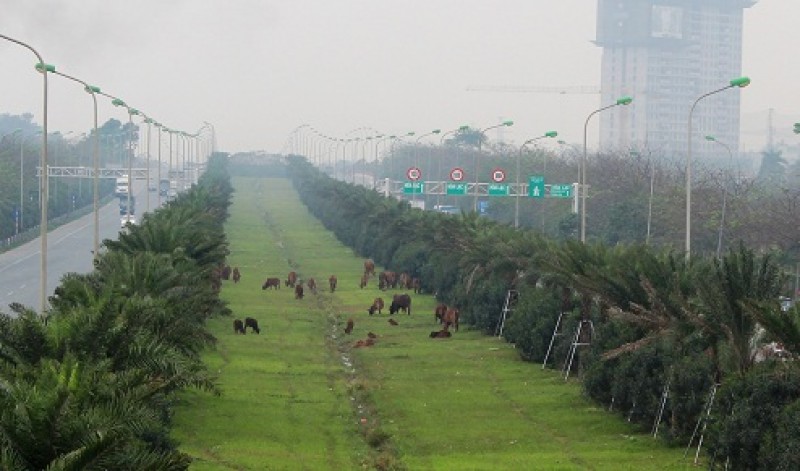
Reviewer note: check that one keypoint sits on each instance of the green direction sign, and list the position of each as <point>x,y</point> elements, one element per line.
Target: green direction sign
<point>456,188</point>
<point>410,188</point>
<point>536,186</point>
<point>561,191</point>
<point>498,189</point>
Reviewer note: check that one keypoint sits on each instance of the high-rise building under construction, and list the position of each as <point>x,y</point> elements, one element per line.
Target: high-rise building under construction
<point>666,54</point>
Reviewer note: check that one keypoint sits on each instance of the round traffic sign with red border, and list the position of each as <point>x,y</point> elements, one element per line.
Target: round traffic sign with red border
<point>457,174</point>
<point>498,175</point>
<point>414,173</point>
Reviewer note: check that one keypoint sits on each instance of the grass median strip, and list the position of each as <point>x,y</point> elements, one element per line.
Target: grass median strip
<point>300,396</point>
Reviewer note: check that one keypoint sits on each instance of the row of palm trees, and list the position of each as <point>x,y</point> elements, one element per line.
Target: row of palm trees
<point>655,322</point>
<point>90,383</point>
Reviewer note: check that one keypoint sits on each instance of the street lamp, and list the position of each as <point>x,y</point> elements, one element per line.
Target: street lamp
<point>739,82</point>
<point>480,145</point>
<point>622,101</point>
<point>92,90</point>
<point>463,128</point>
<point>43,68</point>
<point>519,157</point>
<point>416,152</point>
<point>724,194</point>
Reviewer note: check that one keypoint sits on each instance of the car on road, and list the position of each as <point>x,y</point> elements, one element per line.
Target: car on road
<point>125,220</point>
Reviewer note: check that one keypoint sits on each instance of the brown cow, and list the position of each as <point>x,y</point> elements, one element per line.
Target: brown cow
<point>238,327</point>
<point>387,279</point>
<point>312,285</point>
<point>236,275</point>
<point>442,334</point>
<point>364,279</point>
<point>332,282</point>
<point>298,291</point>
<point>405,280</point>
<point>291,279</point>
<point>377,305</point>
<point>272,283</point>
<point>226,272</point>
<point>400,301</point>
<point>349,328</point>
<point>252,323</point>
<point>417,285</point>
<point>450,318</point>
<point>369,267</point>
<point>392,321</point>
<point>438,313</point>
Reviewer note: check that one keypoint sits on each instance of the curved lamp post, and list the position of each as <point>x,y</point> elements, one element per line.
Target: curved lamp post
<point>93,91</point>
<point>739,82</point>
<point>131,112</point>
<point>724,194</point>
<point>43,68</point>
<point>480,145</point>
<point>519,157</point>
<point>463,128</point>
<point>622,101</point>
<point>416,150</point>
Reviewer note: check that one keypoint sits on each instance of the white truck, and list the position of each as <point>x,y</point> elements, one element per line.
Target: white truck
<point>122,186</point>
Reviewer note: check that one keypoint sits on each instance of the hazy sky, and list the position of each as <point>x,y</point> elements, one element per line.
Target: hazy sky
<point>257,69</point>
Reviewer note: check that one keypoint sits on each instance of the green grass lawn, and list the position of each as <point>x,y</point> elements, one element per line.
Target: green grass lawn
<point>300,397</point>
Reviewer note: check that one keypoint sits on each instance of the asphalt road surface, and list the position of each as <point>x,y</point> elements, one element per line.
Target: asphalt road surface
<point>69,249</point>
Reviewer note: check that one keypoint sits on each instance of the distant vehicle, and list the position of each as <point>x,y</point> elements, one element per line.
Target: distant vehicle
<point>447,209</point>
<point>163,187</point>
<point>123,205</point>
<point>125,220</point>
<point>122,186</point>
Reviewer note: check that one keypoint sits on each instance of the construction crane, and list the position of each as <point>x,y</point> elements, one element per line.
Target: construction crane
<point>568,90</point>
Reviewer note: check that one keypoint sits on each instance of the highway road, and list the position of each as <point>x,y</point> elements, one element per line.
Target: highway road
<point>69,249</point>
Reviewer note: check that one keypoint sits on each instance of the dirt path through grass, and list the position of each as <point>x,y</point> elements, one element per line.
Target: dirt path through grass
<point>295,396</point>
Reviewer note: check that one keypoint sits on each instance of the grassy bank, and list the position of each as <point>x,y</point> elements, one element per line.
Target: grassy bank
<point>299,396</point>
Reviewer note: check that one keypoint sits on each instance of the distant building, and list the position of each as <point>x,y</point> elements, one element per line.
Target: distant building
<point>666,54</point>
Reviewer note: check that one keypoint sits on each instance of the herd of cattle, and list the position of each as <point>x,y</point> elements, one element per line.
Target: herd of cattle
<point>445,315</point>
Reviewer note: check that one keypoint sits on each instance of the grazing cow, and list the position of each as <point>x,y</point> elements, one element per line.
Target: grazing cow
<point>236,275</point>
<point>400,301</point>
<point>332,282</point>
<point>441,334</point>
<point>387,279</point>
<point>291,279</point>
<point>377,305</point>
<point>371,335</point>
<point>392,321</point>
<point>417,285</point>
<point>252,323</point>
<point>349,327</point>
<point>450,318</point>
<point>226,272</point>
<point>405,280</point>
<point>272,283</point>
<point>312,285</point>
<point>298,291</point>
<point>369,267</point>
<point>238,327</point>
<point>438,313</point>
<point>364,279</point>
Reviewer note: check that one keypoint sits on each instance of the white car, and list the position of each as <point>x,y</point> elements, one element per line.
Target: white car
<point>125,220</point>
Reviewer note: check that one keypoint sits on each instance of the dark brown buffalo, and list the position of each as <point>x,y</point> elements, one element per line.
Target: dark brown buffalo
<point>377,305</point>
<point>298,291</point>
<point>312,285</point>
<point>332,282</point>
<point>392,321</point>
<point>364,280</point>
<point>272,283</point>
<point>238,326</point>
<point>387,279</point>
<point>400,302</point>
<point>450,318</point>
<point>236,275</point>
<point>252,323</point>
<point>369,267</point>
<point>291,279</point>
<point>225,273</point>
<point>349,328</point>
<point>441,334</point>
